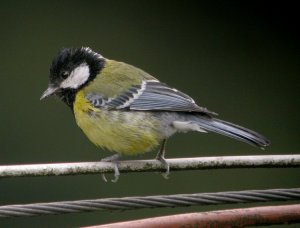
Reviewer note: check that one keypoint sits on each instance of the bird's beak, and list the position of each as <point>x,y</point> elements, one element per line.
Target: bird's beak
<point>48,92</point>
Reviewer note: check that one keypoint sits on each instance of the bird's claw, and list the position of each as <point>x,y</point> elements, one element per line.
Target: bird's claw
<point>103,177</point>
<point>166,165</point>
<point>117,174</point>
<point>113,160</point>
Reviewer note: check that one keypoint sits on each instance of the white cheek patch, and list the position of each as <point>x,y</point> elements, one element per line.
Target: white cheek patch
<point>77,77</point>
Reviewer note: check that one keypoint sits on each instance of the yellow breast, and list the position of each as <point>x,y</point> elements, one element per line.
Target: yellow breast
<point>126,132</point>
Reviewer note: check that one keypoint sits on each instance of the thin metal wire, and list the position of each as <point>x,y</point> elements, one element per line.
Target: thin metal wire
<point>261,161</point>
<point>129,203</point>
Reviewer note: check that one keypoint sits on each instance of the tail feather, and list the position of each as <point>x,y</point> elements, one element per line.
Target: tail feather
<point>233,131</point>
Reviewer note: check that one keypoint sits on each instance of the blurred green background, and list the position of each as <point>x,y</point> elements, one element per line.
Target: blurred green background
<point>238,59</point>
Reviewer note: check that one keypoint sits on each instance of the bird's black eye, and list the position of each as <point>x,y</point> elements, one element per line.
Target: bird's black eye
<point>64,74</point>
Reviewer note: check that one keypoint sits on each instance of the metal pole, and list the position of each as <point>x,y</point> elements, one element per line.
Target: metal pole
<point>263,161</point>
<point>269,215</point>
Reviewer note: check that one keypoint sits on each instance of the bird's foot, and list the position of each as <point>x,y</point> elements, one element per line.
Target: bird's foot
<point>113,159</point>
<point>162,159</point>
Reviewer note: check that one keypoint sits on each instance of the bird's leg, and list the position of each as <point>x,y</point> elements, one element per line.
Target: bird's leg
<point>113,159</point>
<point>161,157</point>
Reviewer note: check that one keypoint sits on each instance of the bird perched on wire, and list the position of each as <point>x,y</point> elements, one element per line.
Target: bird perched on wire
<point>124,109</point>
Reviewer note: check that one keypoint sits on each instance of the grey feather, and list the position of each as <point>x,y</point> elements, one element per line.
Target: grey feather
<point>231,130</point>
<point>149,96</point>
<point>168,102</point>
<point>96,100</point>
<point>158,96</point>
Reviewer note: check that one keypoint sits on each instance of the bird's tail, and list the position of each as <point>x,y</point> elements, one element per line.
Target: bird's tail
<point>232,130</point>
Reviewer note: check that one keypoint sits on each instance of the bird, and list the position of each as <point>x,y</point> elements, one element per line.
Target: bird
<point>124,109</point>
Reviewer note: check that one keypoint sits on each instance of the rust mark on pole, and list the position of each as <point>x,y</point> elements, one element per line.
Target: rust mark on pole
<point>267,215</point>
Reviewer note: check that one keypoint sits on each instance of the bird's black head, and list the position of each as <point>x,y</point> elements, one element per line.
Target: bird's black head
<point>71,69</point>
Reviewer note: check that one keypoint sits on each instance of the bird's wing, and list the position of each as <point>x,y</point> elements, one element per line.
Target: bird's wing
<point>150,95</point>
